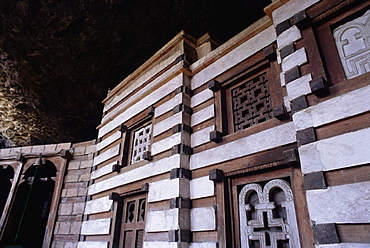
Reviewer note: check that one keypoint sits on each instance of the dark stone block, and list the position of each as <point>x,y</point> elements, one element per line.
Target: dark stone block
<point>181,127</point>
<point>116,168</point>
<point>147,156</point>
<point>320,87</point>
<point>299,103</point>
<point>180,202</point>
<point>216,175</point>
<point>66,154</point>
<point>182,149</point>
<point>291,156</point>
<point>215,136</point>
<point>145,187</point>
<point>180,173</point>
<point>123,128</point>
<point>180,58</point>
<point>281,27</point>
<point>306,136</point>
<point>214,85</point>
<point>179,235</point>
<point>292,74</point>
<point>150,111</point>
<point>325,234</point>
<point>280,113</point>
<point>114,196</point>
<point>184,89</point>
<point>315,180</point>
<point>182,108</point>
<point>285,51</point>
<point>302,20</point>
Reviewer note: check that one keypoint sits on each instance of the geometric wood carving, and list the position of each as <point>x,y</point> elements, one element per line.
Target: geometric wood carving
<point>141,143</point>
<point>267,216</point>
<point>353,43</point>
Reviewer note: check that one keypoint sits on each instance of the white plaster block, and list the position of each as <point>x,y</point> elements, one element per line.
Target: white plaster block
<point>288,36</point>
<point>337,152</point>
<point>299,57</point>
<point>201,97</point>
<point>203,115</point>
<point>203,219</point>
<point>348,203</point>
<point>287,103</point>
<point>108,154</point>
<point>95,227</point>
<point>344,245</point>
<point>204,245</point>
<point>299,87</point>
<point>201,187</point>
<point>102,171</point>
<point>245,50</point>
<point>99,205</point>
<point>290,8</point>
<point>168,188</point>
<point>146,171</point>
<point>166,124</point>
<point>106,142</point>
<point>92,244</point>
<point>141,105</point>
<point>202,136</point>
<point>161,244</point>
<point>340,107</point>
<point>282,78</point>
<point>164,220</point>
<point>166,143</point>
<point>169,105</point>
<point>267,139</point>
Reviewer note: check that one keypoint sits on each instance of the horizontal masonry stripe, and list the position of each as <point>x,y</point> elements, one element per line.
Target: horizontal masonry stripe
<point>96,227</point>
<point>245,50</point>
<point>108,154</point>
<point>144,103</point>
<point>340,204</point>
<point>201,97</point>
<point>337,152</point>
<point>157,244</point>
<point>99,205</point>
<point>268,139</point>
<point>168,188</point>
<point>344,245</point>
<point>152,169</point>
<point>166,143</point>
<point>167,124</point>
<point>291,8</point>
<point>340,107</point>
<point>106,142</point>
<point>203,115</point>
<point>204,245</point>
<point>102,171</point>
<point>169,105</point>
<point>92,244</point>
<point>203,219</point>
<point>299,87</point>
<point>201,187</point>
<point>164,220</point>
<point>202,136</point>
<point>139,81</point>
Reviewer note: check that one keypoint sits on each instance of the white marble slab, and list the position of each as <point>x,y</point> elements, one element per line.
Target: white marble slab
<point>203,219</point>
<point>201,97</point>
<point>99,205</point>
<point>166,143</point>
<point>337,152</point>
<point>168,106</point>
<point>167,124</point>
<point>96,227</point>
<point>288,36</point>
<point>167,189</point>
<point>108,154</point>
<point>290,8</point>
<point>203,115</point>
<point>106,142</point>
<point>92,244</point>
<point>299,57</point>
<point>202,136</point>
<point>268,139</point>
<point>201,187</point>
<point>349,203</point>
<point>299,87</point>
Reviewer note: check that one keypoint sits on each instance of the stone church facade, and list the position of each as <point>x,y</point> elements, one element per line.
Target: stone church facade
<point>263,141</point>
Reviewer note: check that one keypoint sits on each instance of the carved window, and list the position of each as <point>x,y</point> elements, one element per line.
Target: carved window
<point>247,94</point>
<point>141,143</point>
<point>267,216</point>
<point>250,102</point>
<point>133,221</point>
<point>353,43</point>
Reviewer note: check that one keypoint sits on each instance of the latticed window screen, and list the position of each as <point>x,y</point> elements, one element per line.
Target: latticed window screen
<point>141,143</point>
<point>251,102</point>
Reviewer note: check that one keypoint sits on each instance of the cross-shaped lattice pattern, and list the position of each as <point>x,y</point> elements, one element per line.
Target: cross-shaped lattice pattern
<point>141,143</point>
<point>251,102</point>
<point>267,223</point>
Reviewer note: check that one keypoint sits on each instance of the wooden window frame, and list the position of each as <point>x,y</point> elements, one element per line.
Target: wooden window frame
<point>260,62</point>
<point>128,130</point>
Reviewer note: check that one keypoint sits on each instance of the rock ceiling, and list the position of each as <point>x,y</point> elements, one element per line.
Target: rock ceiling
<point>58,58</point>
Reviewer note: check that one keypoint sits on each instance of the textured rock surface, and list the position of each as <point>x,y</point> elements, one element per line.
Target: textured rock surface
<point>59,58</point>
